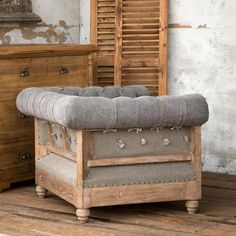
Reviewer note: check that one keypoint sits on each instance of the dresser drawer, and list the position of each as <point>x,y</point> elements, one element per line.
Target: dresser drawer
<point>14,126</point>
<point>17,74</point>
<point>16,153</point>
<point>24,66</point>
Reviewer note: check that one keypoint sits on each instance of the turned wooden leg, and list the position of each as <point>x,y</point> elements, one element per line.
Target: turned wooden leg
<point>192,206</point>
<point>82,215</point>
<point>41,191</point>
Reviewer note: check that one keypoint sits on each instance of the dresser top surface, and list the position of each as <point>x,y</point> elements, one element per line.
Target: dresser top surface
<point>44,50</point>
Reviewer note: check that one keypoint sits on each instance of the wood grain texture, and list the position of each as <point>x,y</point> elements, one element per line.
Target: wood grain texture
<point>85,198</point>
<point>116,161</point>
<point>103,36</point>
<point>12,154</point>
<point>34,50</point>
<point>93,36</point>
<point>131,37</point>
<point>118,43</point>
<point>40,150</point>
<point>131,194</point>
<point>24,66</point>
<point>50,182</point>
<point>196,152</point>
<point>11,119</point>
<point>43,72</point>
<point>84,153</point>
<point>65,150</point>
<point>20,207</point>
<point>141,36</point>
<point>62,152</point>
<point>163,44</point>
<point>13,173</point>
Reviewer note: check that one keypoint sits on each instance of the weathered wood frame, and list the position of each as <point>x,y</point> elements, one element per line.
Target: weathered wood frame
<point>163,79</point>
<point>85,198</point>
<point>42,65</point>
<point>161,62</point>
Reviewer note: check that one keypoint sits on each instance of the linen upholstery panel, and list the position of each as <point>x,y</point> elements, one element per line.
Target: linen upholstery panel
<point>118,175</point>
<point>105,144</point>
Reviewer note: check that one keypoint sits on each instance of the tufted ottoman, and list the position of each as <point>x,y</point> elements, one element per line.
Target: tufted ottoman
<point>109,146</point>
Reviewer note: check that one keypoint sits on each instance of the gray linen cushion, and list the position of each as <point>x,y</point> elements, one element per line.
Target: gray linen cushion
<point>108,92</point>
<point>113,107</point>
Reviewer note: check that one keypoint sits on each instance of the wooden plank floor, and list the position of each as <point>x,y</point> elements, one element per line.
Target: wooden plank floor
<point>22,213</point>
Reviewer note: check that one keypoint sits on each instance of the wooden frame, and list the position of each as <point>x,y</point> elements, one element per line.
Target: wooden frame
<point>163,47</point>
<point>133,52</point>
<point>84,198</point>
<point>24,66</point>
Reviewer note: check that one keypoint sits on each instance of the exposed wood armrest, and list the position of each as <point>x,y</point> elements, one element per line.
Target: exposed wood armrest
<point>27,51</point>
<point>116,161</point>
<point>84,153</point>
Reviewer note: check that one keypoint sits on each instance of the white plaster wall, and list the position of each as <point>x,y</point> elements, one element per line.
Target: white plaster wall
<point>60,24</point>
<point>85,21</point>
<point>202,59</point>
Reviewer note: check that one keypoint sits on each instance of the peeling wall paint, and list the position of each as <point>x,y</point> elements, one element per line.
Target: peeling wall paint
<point>61,24</point>
<point>202,59</point>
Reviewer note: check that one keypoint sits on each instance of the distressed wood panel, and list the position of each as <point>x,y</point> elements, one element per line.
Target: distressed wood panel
<point>103,35</point>
<point>55,217</point>
<point>44,71</point>
<point>11,119</point>
<point>58,187</point>
<point>132,43</point>
<point>132,194</point>
<point>33,66</point>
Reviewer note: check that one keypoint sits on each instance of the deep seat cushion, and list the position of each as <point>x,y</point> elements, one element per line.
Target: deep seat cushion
<point>111,108</point>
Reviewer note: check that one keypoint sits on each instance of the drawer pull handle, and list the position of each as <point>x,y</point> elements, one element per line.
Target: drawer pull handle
<point>64,71</point>
<point>23,116</point>
<point>25,73</point>
<point>26,157</point>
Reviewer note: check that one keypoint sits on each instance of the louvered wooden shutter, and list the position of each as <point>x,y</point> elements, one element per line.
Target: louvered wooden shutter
<point>132,42</point>
<point>103,35</point>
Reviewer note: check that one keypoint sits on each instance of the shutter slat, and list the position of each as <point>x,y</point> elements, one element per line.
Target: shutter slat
<point>141,23</point>
<point>103,35</point>
<point>131,36</point>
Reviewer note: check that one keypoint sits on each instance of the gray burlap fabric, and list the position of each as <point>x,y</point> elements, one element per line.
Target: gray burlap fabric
<point>118,175</point>
<point>114,107</point>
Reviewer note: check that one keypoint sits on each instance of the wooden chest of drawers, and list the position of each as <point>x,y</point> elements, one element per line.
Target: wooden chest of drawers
<point>25,66</point>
